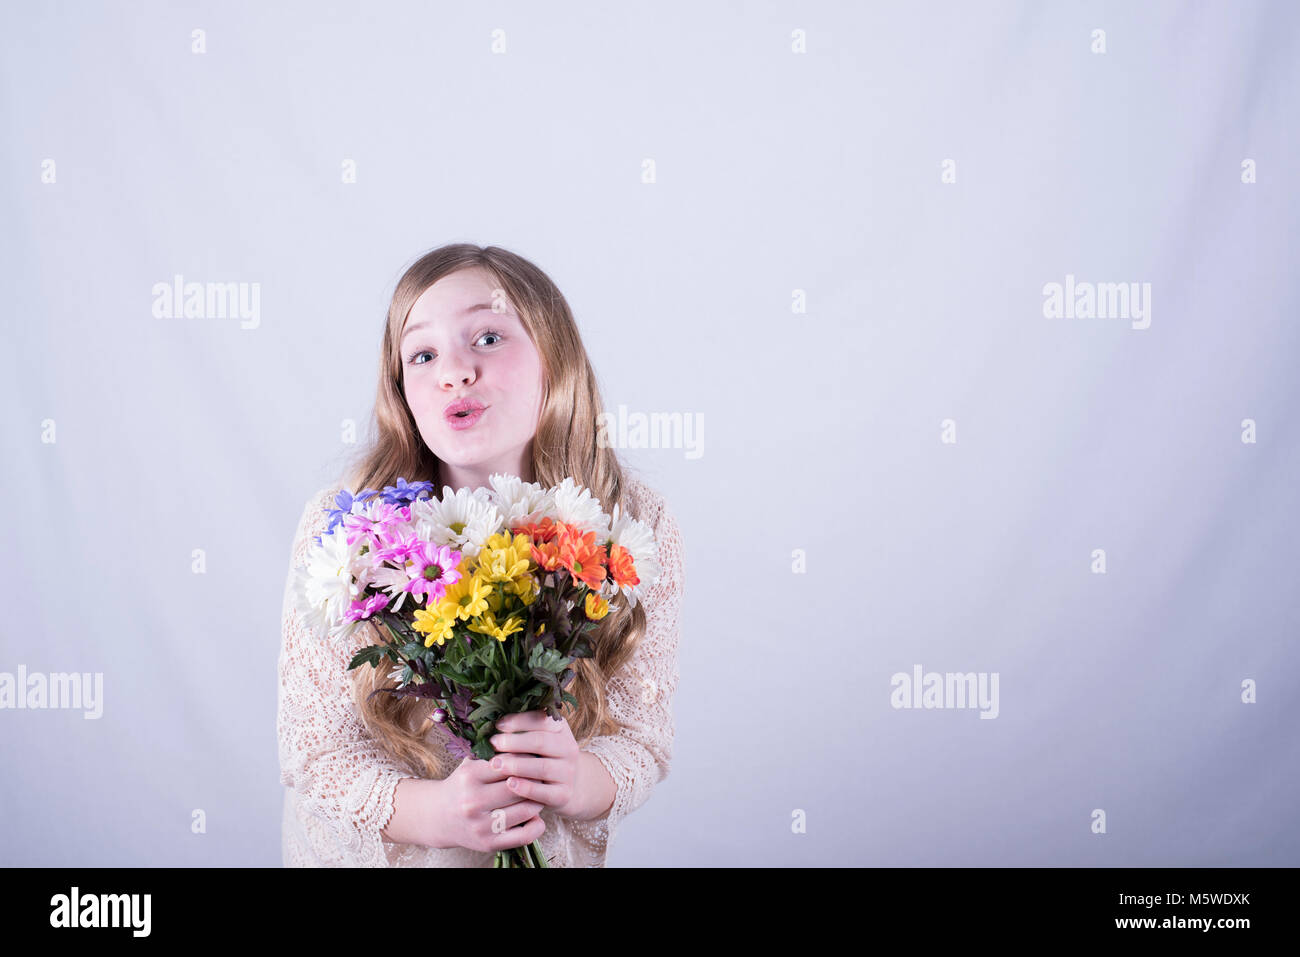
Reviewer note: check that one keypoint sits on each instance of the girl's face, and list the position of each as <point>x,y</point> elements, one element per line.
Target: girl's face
<point>454,347</point>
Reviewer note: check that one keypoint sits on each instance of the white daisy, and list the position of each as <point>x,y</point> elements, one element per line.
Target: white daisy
<point>463,519</point>
<point>520,502</point>
<point>334,574</point>
<point>315,617</point>
<point>638,538</point>
<point>575,505</point>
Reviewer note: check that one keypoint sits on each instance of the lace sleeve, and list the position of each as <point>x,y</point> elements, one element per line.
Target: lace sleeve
<point>339,771</point>
<point>640,699</point>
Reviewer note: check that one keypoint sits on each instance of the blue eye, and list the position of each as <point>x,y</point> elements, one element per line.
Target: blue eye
<point>426,352</point>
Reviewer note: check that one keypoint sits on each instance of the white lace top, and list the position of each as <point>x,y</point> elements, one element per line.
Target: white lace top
<point>340,781</point>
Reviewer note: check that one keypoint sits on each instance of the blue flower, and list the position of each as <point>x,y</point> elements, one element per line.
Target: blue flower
<point>344,501</point>
<point>404,493</point>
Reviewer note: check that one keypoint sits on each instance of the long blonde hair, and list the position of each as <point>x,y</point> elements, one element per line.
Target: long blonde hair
<point>565,444</point>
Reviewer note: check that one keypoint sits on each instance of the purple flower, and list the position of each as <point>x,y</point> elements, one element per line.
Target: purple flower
<point>456,747</point>
<point>394,546</point>
<point>376,528</point>
<point>432,568</point>
<point>404,493</point>
<point>343,502</point>
<point>364,609</point>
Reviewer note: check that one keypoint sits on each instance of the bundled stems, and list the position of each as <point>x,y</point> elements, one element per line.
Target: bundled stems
<point>530,855</point>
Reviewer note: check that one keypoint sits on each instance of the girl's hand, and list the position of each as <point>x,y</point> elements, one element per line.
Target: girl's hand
<point>475,809</point>
<point>539,758</point>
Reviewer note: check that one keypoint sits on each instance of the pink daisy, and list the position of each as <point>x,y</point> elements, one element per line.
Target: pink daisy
<point>432,568</point>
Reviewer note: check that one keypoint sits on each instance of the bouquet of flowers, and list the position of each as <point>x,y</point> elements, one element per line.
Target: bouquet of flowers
<point>482,598</point>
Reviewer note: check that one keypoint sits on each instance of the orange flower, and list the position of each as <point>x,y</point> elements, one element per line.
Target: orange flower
<point>546,555</point>
<point>621,567</point>
<point>544,531</point>
<point>584,559</point>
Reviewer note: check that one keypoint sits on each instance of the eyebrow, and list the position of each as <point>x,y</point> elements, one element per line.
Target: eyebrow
<point>464,314</point>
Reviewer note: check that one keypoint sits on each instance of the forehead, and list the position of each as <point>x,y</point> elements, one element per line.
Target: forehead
<point>462,296</point>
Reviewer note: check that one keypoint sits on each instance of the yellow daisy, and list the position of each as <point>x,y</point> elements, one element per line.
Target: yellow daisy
<point>487,625</point>
<point>465,599</point>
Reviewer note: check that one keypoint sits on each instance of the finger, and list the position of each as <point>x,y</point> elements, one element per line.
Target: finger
<point>525,766</point>
<point>506,816</point>
<point>517,837</point>
<point>529,742</point>
<point>551,795</point>
<point>524,721</point>
<point>503,794</point>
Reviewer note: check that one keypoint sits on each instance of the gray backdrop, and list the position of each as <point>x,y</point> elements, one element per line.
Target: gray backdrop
<point>822,233</point>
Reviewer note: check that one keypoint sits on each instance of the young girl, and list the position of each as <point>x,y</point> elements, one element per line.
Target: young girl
<point>482,370</point>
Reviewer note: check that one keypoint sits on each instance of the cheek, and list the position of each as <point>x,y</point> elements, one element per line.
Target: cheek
<point>526,371</point>
<point>420,396</point>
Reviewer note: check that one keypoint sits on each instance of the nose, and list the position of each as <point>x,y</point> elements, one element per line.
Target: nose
<point>457,370</point>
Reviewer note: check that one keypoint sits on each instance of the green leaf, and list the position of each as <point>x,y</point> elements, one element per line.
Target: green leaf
<point>447,671</point>
<point>494,698</point>
<point>486,712</point>
<point>367,656</point>
<point>552,660</point>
